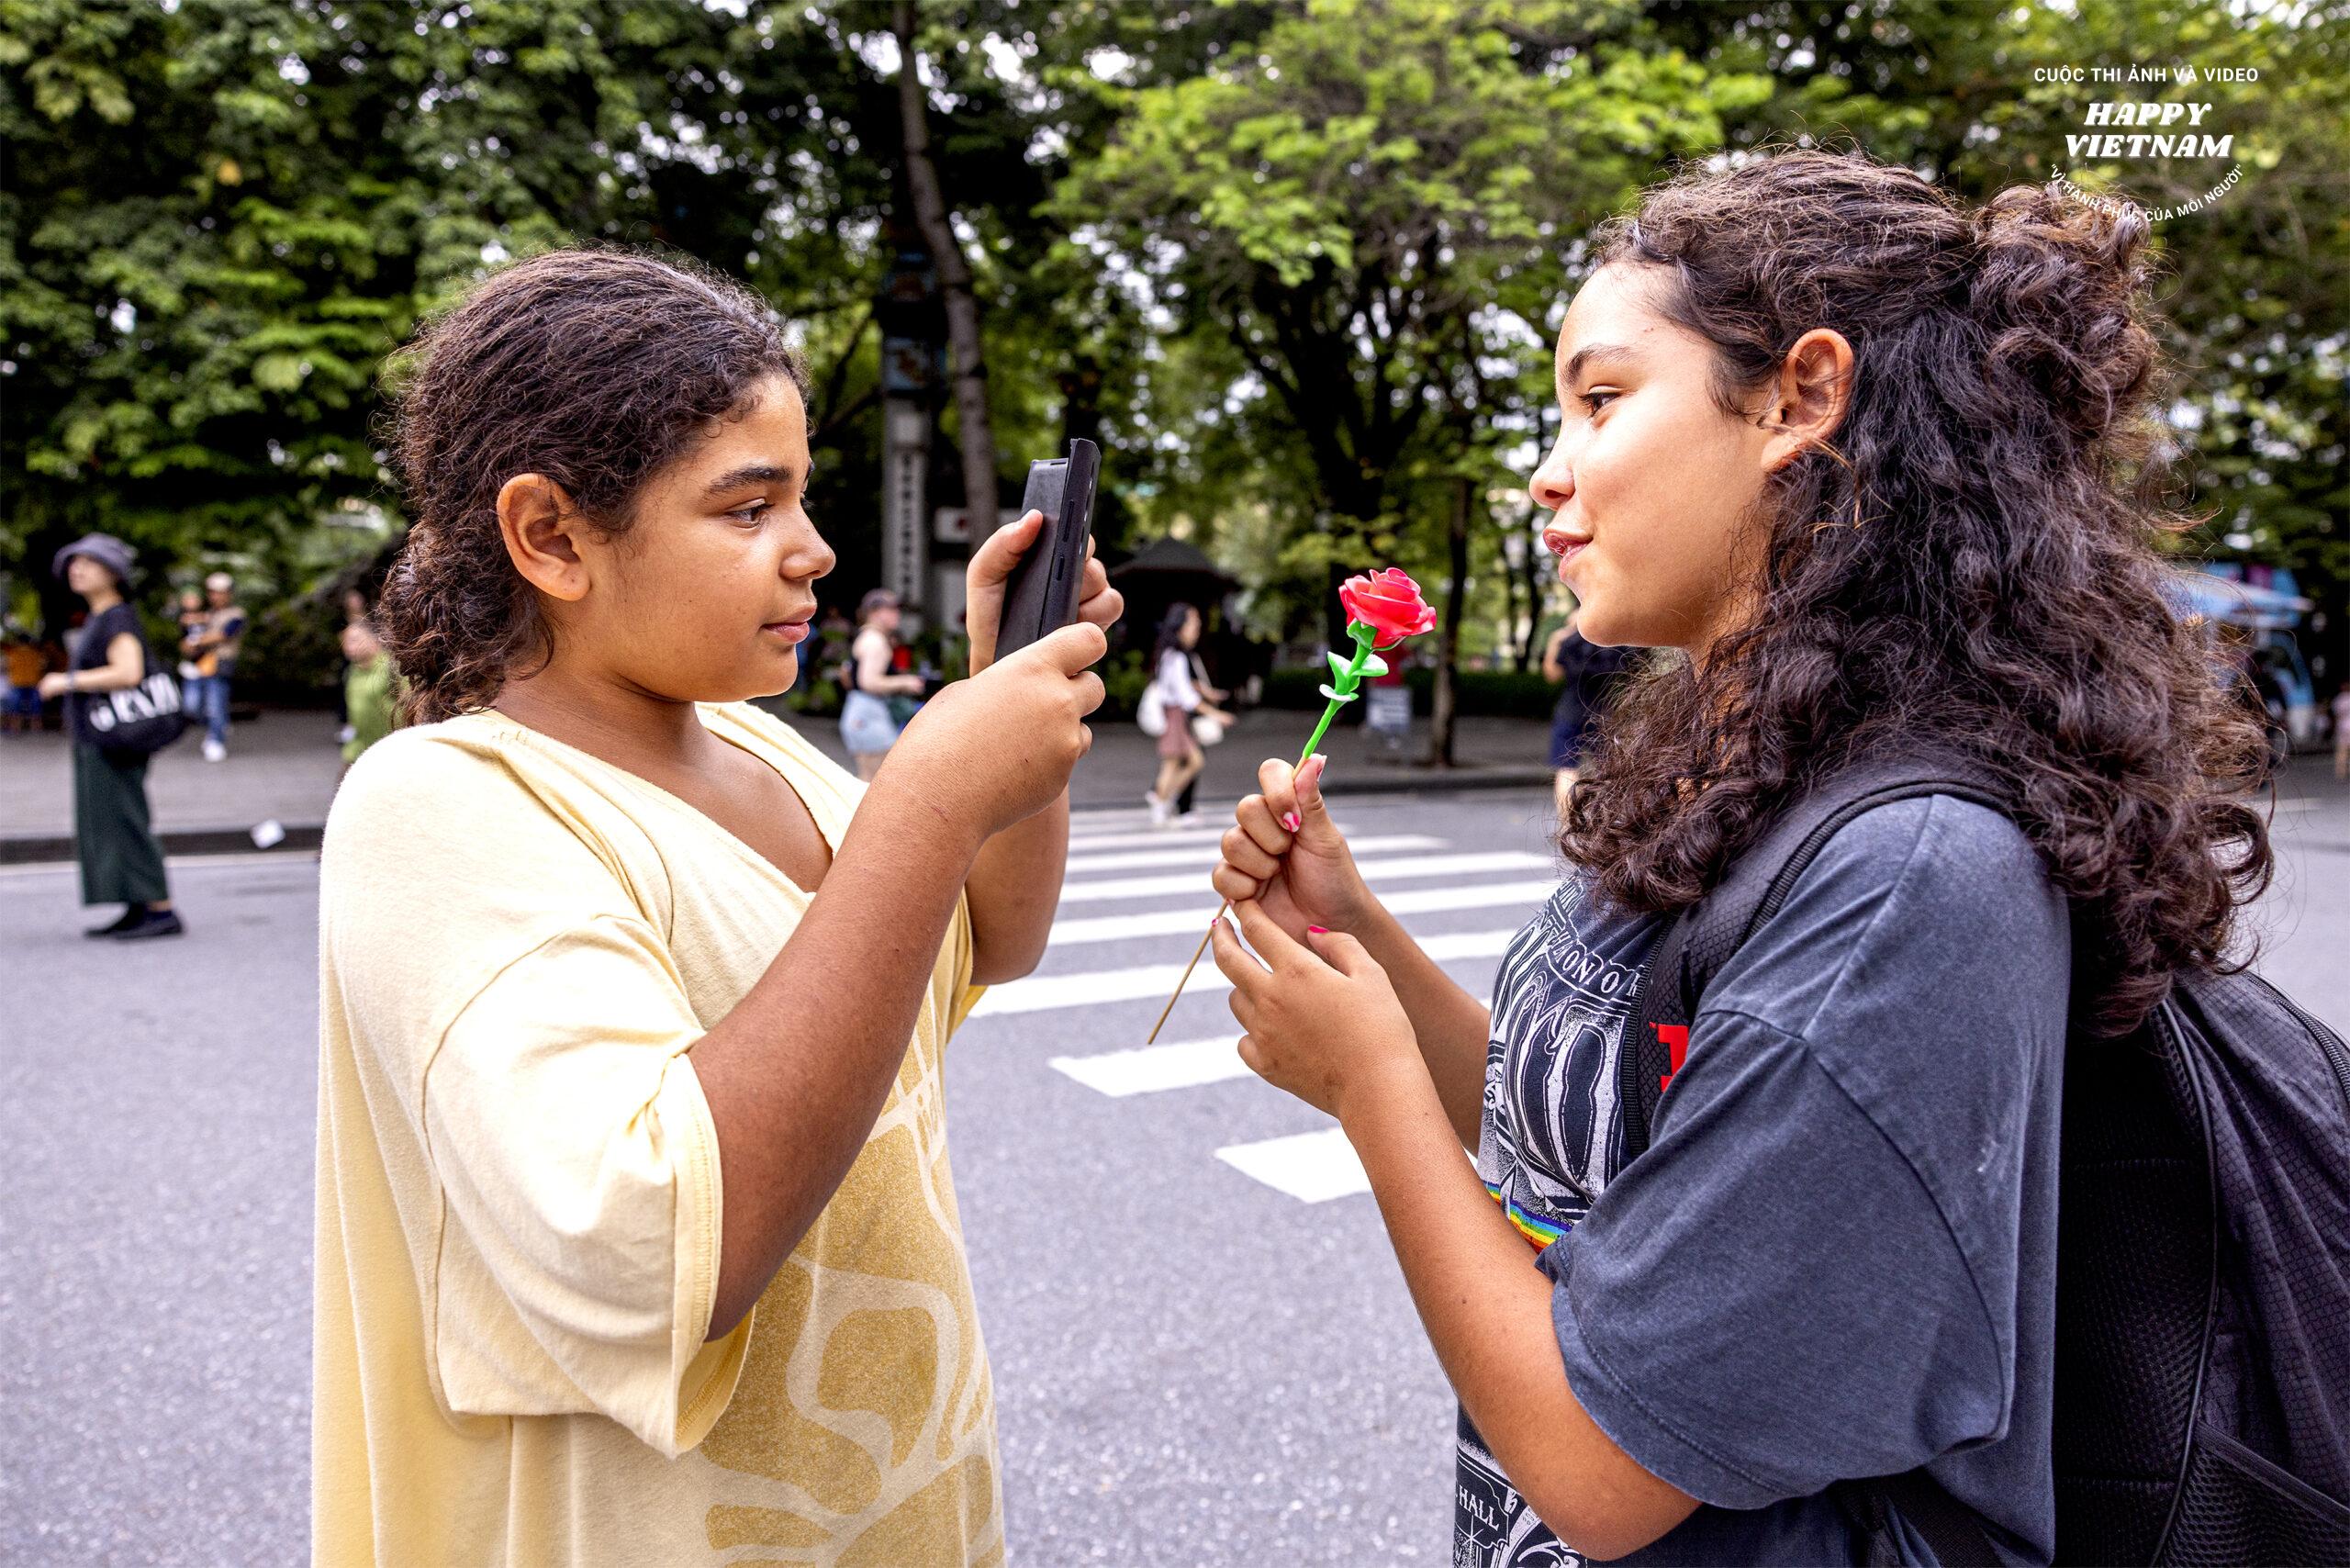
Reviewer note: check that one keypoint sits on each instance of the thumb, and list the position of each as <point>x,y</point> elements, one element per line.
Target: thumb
<point>1002,549</point>
<point>1313,817</point>
<point>1340,951</point>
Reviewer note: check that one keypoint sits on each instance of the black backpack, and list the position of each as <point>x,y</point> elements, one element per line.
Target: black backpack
<point>2202,1357</point>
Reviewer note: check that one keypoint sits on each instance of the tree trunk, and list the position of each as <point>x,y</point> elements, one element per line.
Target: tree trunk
<point>1446,705</point>
<point>954,281</point>
<point>1538,600</point>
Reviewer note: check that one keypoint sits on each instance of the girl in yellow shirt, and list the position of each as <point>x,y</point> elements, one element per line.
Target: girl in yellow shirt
<point>637,1240</point>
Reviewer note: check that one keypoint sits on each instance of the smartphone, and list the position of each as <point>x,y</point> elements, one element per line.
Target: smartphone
<point>1041,598</point>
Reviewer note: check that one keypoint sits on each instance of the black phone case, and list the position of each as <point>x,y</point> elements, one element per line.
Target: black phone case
<point>1041,598</point>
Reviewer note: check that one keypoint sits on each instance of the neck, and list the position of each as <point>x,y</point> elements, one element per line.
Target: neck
<point>601,715</point>
<point>102,600</point>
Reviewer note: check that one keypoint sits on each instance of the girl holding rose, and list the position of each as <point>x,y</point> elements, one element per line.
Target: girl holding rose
<point>1849,447</point>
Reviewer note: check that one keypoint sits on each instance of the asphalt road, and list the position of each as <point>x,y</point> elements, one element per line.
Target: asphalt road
<point>1203,1351</point>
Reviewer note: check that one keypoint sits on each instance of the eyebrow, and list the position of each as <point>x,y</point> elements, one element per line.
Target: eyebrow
<point>753,474</point>
<point>1589,351</point>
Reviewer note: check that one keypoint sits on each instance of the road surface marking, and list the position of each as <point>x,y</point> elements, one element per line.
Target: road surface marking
<point>1151,1068</point>
<point>1208,853</point>
<point>1094,987</point>
<point>1084,929</point>
<point>1313,1168</point>
<point>1410,866</point>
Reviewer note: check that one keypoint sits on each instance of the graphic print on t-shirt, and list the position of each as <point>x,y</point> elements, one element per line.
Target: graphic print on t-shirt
<point>1551,1136</point>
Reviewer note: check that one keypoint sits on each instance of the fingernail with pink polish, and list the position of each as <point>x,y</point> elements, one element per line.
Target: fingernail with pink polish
<point>1289,821</point>
<point>1318,930</point>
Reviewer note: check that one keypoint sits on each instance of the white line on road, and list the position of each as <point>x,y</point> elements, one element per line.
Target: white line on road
<point>1151,1068</point>
<point>1094,987</point>
<point>1372,871</point>
<point>1206,854</point>
<point>1088,928</point>
<point>1313,1168</point>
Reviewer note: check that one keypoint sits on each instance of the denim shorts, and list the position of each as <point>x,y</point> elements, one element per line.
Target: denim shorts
<point>866,725</point>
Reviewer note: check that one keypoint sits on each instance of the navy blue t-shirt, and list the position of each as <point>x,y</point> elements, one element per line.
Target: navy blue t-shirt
<point>1837,1256</point>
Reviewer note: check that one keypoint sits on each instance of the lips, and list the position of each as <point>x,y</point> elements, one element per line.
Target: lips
<point>1566,547</point>
<point>788,631</point>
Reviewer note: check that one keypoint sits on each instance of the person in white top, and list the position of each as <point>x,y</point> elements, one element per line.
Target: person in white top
<point>1178,695</point>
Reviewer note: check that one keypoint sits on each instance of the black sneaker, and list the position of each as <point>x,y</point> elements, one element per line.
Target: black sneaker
<point>153,923</point>
<point>123,922</point>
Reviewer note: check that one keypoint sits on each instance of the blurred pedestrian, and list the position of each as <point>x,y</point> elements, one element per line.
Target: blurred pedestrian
<point>20,713</point>
<point>121,862</point>
<point>215,650</point>
<point>192,616</point>
<point>869,727</point>
<point>1174,694</point>
<point>356,610</point>
<point>1588,675</point>
<point>371,691</point>
<point>1213,733</point>
<point>835,632</point>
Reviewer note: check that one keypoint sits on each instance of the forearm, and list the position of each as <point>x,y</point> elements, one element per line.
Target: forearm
<point>1486,1307</point>
<point>797,1073</point>
<point>1014,890</point>
<point>1452,1026</point>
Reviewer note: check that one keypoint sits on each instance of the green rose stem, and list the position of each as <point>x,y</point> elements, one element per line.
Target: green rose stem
<point>1345,678</point>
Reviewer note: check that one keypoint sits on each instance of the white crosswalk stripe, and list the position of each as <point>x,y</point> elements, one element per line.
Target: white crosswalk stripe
<point>1374,871</point>
<point>1095,988</point>
<point>1207,853</point>
<point>1147,1070</point>
<point>1089,928</point>
<point>1313,1168</point>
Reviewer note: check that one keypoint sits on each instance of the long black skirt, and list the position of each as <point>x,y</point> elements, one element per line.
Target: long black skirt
<point>121,862</point>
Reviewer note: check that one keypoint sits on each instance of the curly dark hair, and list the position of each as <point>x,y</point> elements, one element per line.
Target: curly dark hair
<point>1971,567</point>
<point>594,367</point>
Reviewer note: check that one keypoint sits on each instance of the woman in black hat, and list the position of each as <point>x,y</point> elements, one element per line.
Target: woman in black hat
<point>121,862</point>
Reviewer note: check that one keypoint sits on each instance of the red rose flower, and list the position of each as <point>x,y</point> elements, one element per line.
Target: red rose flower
<point>1388,602</point>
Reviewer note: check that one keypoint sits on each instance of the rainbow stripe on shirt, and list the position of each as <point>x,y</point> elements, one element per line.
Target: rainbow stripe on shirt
<point>1539,1232</point>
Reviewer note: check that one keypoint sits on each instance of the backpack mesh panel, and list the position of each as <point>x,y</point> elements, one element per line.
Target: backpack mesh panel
<point>2238,1508</point>
<point>2133,1271</point>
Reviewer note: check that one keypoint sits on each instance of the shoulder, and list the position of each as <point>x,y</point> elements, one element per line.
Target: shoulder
<point>464,838</point>
<point>797,758</point>
<point>1935,852</point>
<point>426,804</point>
<point>1916,916</point>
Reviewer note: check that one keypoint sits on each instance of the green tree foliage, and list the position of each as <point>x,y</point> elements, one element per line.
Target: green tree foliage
<point>220,217</point>
<point>1374,211</point>
<point>1296,264</point>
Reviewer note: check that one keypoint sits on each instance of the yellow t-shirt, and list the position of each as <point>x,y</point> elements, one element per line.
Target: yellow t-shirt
<point>519,1194</point>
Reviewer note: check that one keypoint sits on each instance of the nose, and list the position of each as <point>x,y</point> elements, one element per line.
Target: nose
<point>1554,482</point>
<point>807,557</point>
